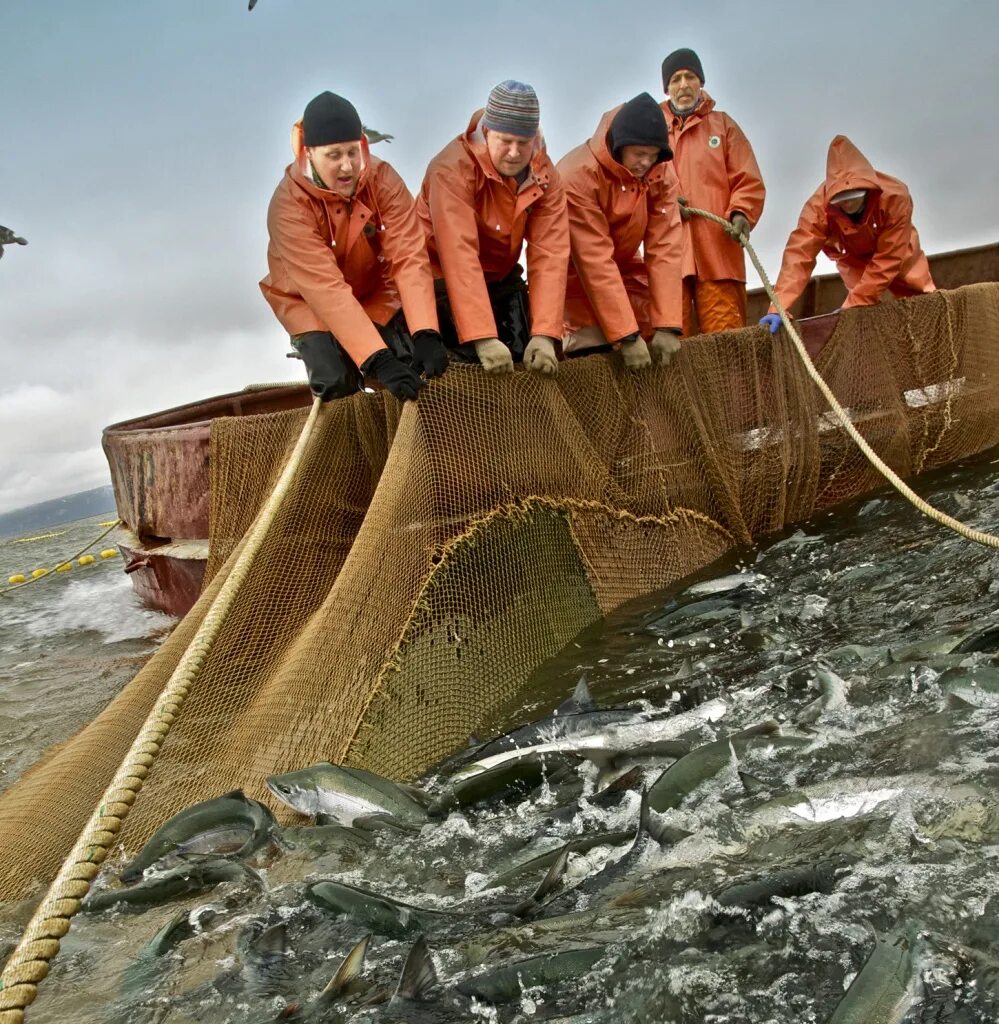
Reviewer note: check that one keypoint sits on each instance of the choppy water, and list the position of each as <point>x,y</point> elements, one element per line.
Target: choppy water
<point>843,632</point>
<point>68,642</point>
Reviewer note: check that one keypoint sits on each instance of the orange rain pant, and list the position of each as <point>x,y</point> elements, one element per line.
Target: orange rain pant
<point>710,306</point>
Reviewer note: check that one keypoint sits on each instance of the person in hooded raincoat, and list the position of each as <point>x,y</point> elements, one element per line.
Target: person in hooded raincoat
<point>862,220</point>
<point>718,172</point>
<point>622,194</point>
<point>350,278</point>
<point>486,193</point>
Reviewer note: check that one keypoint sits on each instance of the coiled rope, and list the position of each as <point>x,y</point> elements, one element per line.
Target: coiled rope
<point>72,558</point>
<point>29,962</point>
<point>979,536</point>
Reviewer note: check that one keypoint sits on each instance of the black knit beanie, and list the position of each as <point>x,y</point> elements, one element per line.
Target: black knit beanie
<point>329,119</point>
<point>640,122</point>
<point>681,60</point>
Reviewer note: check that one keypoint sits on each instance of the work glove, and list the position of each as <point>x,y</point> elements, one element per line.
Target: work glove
<point>771,321</point>
<point>430,353</point>
<point>739,225</point>
<point>685,214</point>
<point>664,345</point>
<point>330,375</point>
<point>393,374</point>
<point>635,352</point>
<point>494,356</point>
<point>540,355</point>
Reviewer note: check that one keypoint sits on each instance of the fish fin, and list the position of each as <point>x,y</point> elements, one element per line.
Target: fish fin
<point>420,795</point>
<point>650,825</point>
<point>348,971</point>
<point>234,794</point>
<point>955,703</point>
<point>418,976</point>
<point>685,671</point>
<point>752,784</point>
<point>371,822</point>
<point>473,742</point>
<point>546,887</point>
<point>581,699</point>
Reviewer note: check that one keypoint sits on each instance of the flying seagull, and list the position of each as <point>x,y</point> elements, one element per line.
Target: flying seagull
<point>253,3</point>
<point>375,136</point>
<point>7,237</point>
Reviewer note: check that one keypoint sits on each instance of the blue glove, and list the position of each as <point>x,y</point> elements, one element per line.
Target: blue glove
<point>771,320</point>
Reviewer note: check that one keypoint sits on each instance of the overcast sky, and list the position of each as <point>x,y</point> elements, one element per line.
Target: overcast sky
<point>141,142</point>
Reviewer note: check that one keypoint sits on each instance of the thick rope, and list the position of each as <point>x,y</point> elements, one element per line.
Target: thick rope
<point>65,561</point>
<point>875,460</point>
<point>29,963</point>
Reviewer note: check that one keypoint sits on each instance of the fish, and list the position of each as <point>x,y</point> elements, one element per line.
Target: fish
<point>348,795</point>
<point>503,984</point>
<point>511,778</point>
<point>833,696</point>
<point>760,890</point>
<point>381,914</point>
<point>604,747</point>
<point>887,985</point>
<point>543,854</point>
<point>203,825</point>
<point>978,685</point>
<point>189,878</point>
<point>321,838</point>
<point>578,713</point>
<point>725,584</point>
<point>682,777</point>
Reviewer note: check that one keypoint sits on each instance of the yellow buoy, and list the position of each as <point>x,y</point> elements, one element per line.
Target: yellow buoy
<point>109,553</point>
<point>39,572</point>
<point>87,560</point>
<point>65,567</point>
<point>19,578</point>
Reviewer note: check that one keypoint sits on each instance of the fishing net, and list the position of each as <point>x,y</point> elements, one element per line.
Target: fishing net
<point>431,556</point>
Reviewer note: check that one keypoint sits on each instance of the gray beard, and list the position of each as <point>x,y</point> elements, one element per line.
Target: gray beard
<point>685,111</point>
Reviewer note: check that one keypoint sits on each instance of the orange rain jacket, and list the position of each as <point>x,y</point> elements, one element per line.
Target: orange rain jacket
<point>476,222</point>
<point>718,172</point>
<point>881,251</point>
<point>341,265</point>
<point>611,214</point>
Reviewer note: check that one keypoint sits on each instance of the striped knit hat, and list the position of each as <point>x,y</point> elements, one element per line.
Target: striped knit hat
<point>513,109</point>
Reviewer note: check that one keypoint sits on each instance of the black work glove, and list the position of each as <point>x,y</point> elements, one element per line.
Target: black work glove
<point>393,374</point>
<point>330,374</point>
<point>431,355</point>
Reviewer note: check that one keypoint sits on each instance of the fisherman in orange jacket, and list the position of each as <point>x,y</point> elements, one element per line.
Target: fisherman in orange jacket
<point>346,251</point>
<point>622,192</point>
<point>718,172</point>
<point>861,219</point>
<point>484,194</point>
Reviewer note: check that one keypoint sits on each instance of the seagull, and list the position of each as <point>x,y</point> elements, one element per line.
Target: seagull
<point>374,136</point>
<point>253,3</point>
<point>7,237</point>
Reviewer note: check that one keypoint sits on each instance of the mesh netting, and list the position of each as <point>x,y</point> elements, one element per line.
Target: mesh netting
<point>431,556</point>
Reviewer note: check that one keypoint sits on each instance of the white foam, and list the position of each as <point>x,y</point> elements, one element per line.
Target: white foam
<point>108,606</point>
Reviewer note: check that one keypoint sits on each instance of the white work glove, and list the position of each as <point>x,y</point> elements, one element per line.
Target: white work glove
<point>494,356</point>
<point>635,353</point>
<point>539,355</point>
<point>663,346</point>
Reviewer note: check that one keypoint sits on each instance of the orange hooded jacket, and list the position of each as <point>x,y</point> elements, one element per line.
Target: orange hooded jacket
<point>611,214</point>
<point>718,172</point>
<point>341,265</point>
<point>881,251</point>
<point>476,222</point>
